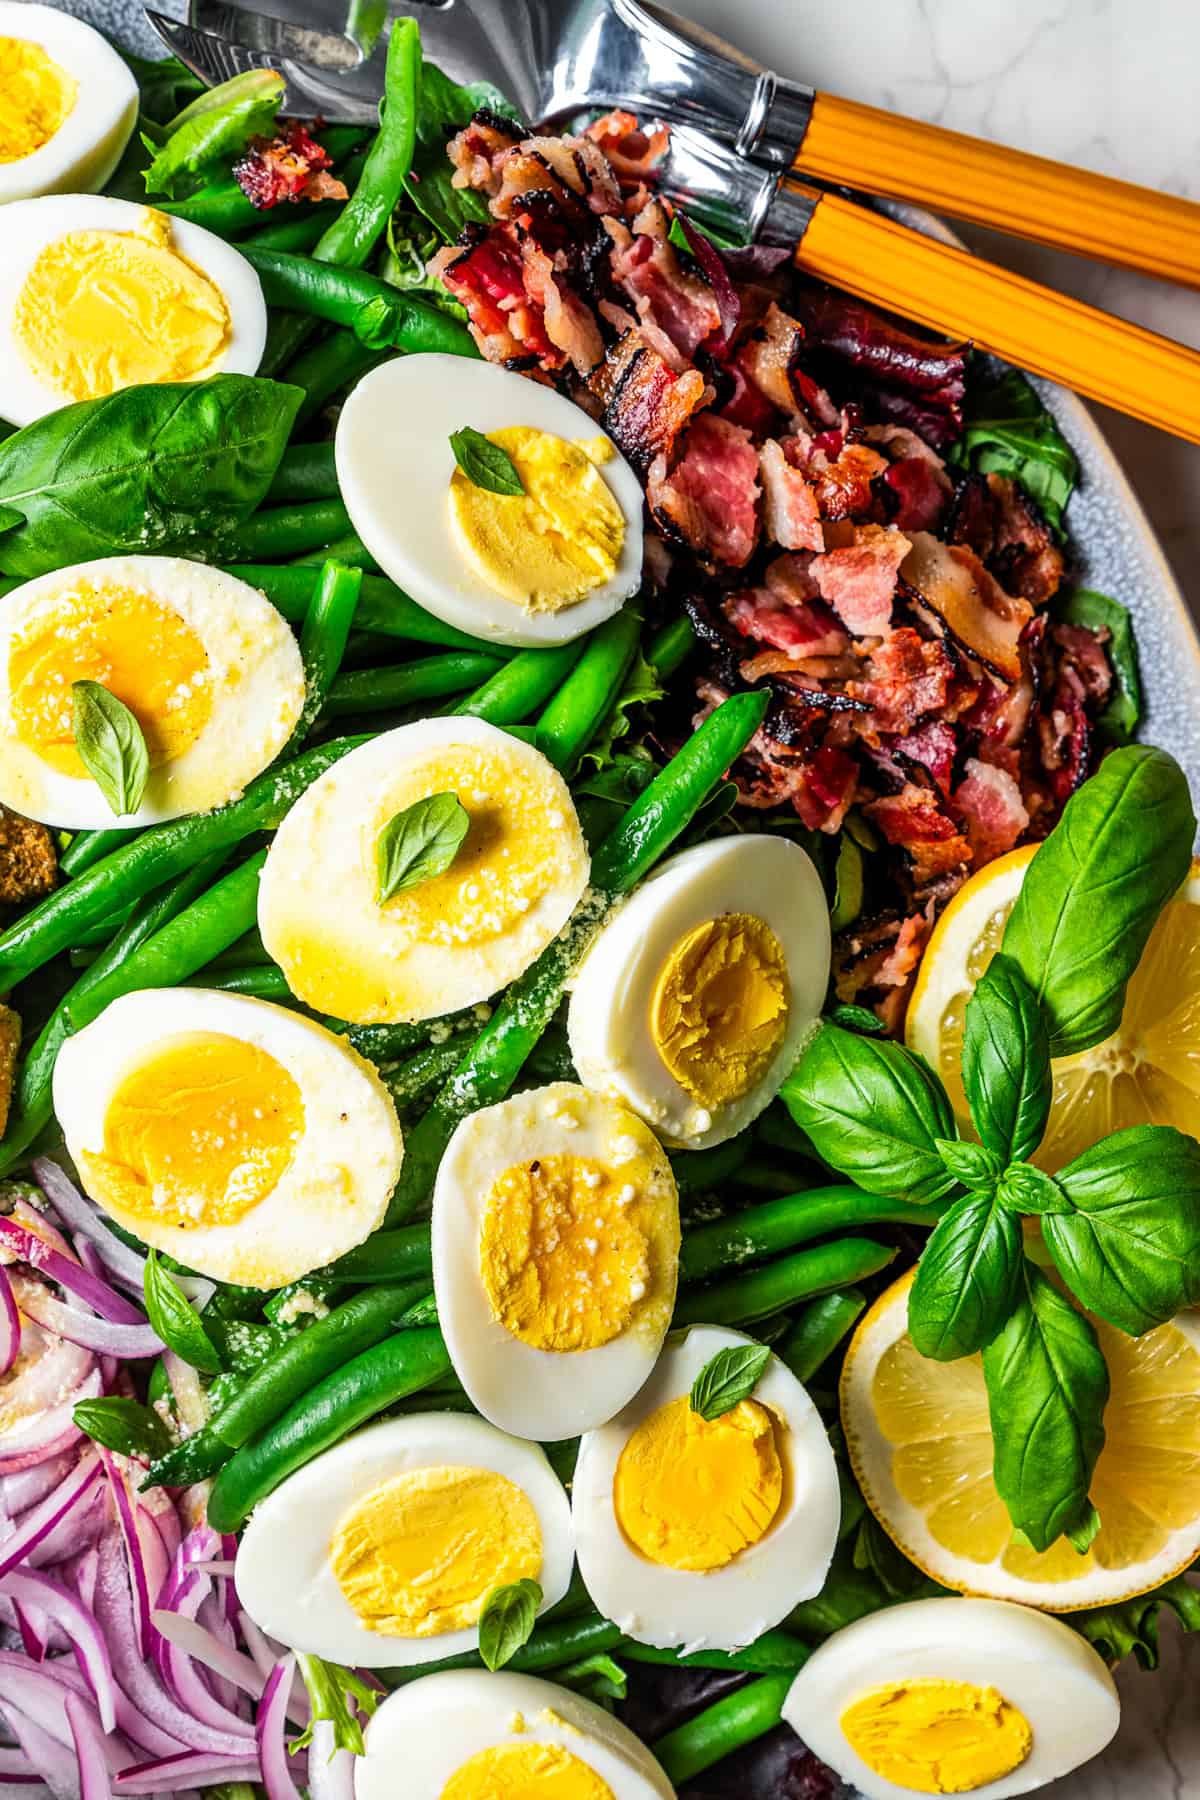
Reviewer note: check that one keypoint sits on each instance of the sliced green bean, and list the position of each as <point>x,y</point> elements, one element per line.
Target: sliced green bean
<point>248,953</point>
<point>402,1364</point>
<point>572,718</point>
<point>415,1077</point>
<point>379,315</point>
<point>260,983</point>
<point>401,1255</point>
<point>816,1334</point>
<point>722,1728</point>
<point>220,206</point>
<point>323,639</point>
<point>774,1225</point>
<point>761,1292</point>
<point>560,1641</point>
<point>305,472</point>
<point>774,1653</point>
<point>298,234</point>
<point>88,847</point>
<point>349,548</point>
<point>324,369</point>
<point>382,606</point>
<point>279,531</point>
<point>521,686</point>
<point>428,678</point>
<point>386,1043</point>
<point>670,648</point>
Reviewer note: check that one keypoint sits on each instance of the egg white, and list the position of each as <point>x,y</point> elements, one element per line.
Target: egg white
<point>30,226</point>
<point>544,1394</point>
<point>256,681</point>
<point>429,1729</point>
<point>394,466</point>
<point>1042,1667</point>
<point>321,869</point>
<point>608,1022</point>
<point>284,1577</point>
<point>335,1190</point>
<point>718,1609</point>
<point>87,146</point>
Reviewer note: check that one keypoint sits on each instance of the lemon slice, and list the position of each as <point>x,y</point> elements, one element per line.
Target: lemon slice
<point>1147,1073</point>
<point>920,1445</point>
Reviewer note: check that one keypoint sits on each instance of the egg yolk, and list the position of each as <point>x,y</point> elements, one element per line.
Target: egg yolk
<point>939,1737</point>
<point>720,1008</point>
<point>691,1492</point>
<point>526,1772</point>
<point>36,95</point>
<point>141,651</point>
<point>549,547</point>
<point>102,310</point>
<point>419,1555</point>
<point>198,1134</point>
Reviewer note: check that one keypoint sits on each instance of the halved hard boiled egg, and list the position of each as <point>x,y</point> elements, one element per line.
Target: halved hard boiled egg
<point>209,669</point>
<point>555,1256</point>
<point>954,1696</point>
<point>538,566</point>
<point>705,1533</point>
<point>695,999</point>
<point>447,941</point>
<point>67,103</point>
<point>466,1734</point>
<point>98,294</point>
<point>242,1138</point>
<point>392,1541</point>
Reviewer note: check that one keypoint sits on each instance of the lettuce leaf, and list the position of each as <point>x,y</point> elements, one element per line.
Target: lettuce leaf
<point>1131,1628</point>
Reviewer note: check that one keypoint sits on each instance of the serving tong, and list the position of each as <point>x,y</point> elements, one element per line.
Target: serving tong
<point>742,142</point>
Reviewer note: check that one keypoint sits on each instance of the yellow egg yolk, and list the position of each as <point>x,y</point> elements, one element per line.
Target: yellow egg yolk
<point>939,1737</point>
<point>549,547</point>
<point>719,1011</point>
<point>691,1492</point>
<point>198,1134</point>
<point>564,1253</point>
<point>36,95</point>
<point>526,1772</point>
<point>102,310</point>
<point>141,651</point>
<point>419,1555</point>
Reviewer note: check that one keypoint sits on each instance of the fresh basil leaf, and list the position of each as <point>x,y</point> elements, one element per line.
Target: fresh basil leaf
<point>597,1677</point>
<point>972,1164</point>
<point>485,465</point>
<point>507,1621</point>
<point>1047,1386</point>
<point>1006,1062</point>
<point>1094,891</point>
<point>1122,712</point>
<point>1082,1536</point>
<point>176,1320</point>
<point>123,1425</point>
<point>1009,432</point>
<point>217,124</point>
<point>110,744</point>
<point>966,1280</point>
<point>420,842</point>
<point>338,1695</point>
<point>1130,1628</point>
<point>195,1459</point>
<point>857,1018</point>
<point>847,884</point>
<point>142,469</point>
<point>727,1379</point>
<point>874,1111</point>
<point>1029,1190</point>
<point>1129,1247</point>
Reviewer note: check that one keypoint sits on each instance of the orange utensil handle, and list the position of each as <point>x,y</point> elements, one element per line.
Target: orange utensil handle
<point>881,153</point>
<point>1050,334</point>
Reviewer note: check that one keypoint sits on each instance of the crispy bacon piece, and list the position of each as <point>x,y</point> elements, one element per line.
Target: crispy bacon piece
<point>488,277</point>
<point>710,496</point>
<point>291,166</point>
<point>842,481</point>
<point>997,519</point>
<point>908,679</point>
<point>932,746</point>
<point>477,151</point>
<point>632,153</point>
<point>570,325</point>
<point>769,355</point>
<point>645,405</point>
<point>1065,734</point>
<point>791,516</point>
<point>647,269</point>
<point>914,821</point>
<point>877,960</point>
<point>914,491</point>
<point>969,602</point>
<point>988,801</point>
<point>801,629</point>
<point>859,579</point>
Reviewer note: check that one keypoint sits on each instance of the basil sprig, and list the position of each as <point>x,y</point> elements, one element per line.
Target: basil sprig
<point>485,465</point>
<point>727,1379</point>
<point>1006,1062</point>
<point>966,1282</point>
<point>507,1621</point>
<point>175,1319</point>
<point>123,1425</point>
<point>110,744</point>
<point>419,843</point>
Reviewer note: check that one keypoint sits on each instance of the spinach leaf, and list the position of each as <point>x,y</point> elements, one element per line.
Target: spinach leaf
<point>1047,1385</point>
<point>445,107</point>
<point>967,1278</point>
<point>338,1695</point>
<point>727,1379</point>
<point>162,86</point>
<point>110,744</point>
<point>1094,891</point>
<point>875,1111</point>
<point>411,243</point>
<point>145,469</point>
<point>486,465</point>
<point>507,1621</point>
<point>1006,1062</point>
<point>176,1320</point>
<point>419,842</point>
<point>1009,432</point>
<point>847,884</point>
<point>1129,1248</point>
<point>219,123</point>
<point>123,1425</point>
<point>1082,606</point>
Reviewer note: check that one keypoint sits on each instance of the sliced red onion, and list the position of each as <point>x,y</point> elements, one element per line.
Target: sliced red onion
<point>10,1324</point>
<point>108,1337</point>
<point>189,1395</point>
<point>134,1559</point>
<point>175,1664</point>
<point>39,1693</point>
<point>265,1653</point>
<point>31,1485</point>
<point>137,1730</point>
<point>34,1629</point>
<point>193,1768</point>
<point>34,1219</point>
<point>330,1771</point>
<point>94,1782</point>
<point>154,1553</point>
<point>57,1762</point>
<point>15,1765</point>
<point>708,256</point>
<point>82,1575</point>
<point>199,1643</point>
<point>51,1262</point>
<point>213,1617</point>
<point>27,1588</point>
<point>54,1375</point>
<point>85,1221</point>
<point>42,1519</point>
<point>223,1566</point>
<point>74,1531</point>
<point>268,1731</point>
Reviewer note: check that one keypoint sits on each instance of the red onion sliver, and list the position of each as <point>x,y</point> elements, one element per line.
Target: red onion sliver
<point>40,1255</point>
<point>330,1771</point>
<point>708,256</point>
<point>34,1628</point>
<point>94,1783</point>
<point>15,1765</point>
<point>41,1225</point>
<point>31,1485</point>
<point>74,1531</point>
<point>197,1770</point>
<point>268,1731</point>
<point>10,1324</point>
<point>137,1730</point>
<point>197,1642</point>
<point>135,1562</point>
<point>108,1337</point>
<point>56,1761</point>
<point>42,1519</point>
<point>39,1692</point>
<point>28,1588</point>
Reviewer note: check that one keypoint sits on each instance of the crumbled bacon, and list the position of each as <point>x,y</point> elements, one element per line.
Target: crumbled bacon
<point>1000,523</point>
<point>859,579</point>
<point>488,277</point>
<point>478,149</point>
<point>633,154</point>
<point>989,803</point>
<point>710,496</point>
<point>968,602</point>
<point>646,267</point>
<point>645,404</point>
<point>570,325</point>
<point>801,629</point>
<point>913,381</point>
<point>291,166</point>
<point>791,516</point>
<point>908,679</point>
<point>842,481</point>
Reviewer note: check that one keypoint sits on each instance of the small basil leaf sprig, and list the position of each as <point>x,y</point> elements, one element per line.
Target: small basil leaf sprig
<point>507,1620</point>
<point>1121,1222</point>
<point>419,842</point>
<point>727,1379</point>
<point>486,465</point>
<point>175,1319</point>
<point>110,744</point>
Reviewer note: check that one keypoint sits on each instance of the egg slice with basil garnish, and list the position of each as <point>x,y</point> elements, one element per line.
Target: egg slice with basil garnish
<point>708,1507</point>
<point>695,999</point>
<point>241,1138</point>
<point>496,503</point>
<point>210,672</point>
<point>422,873</point>
<point>68,104</point>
